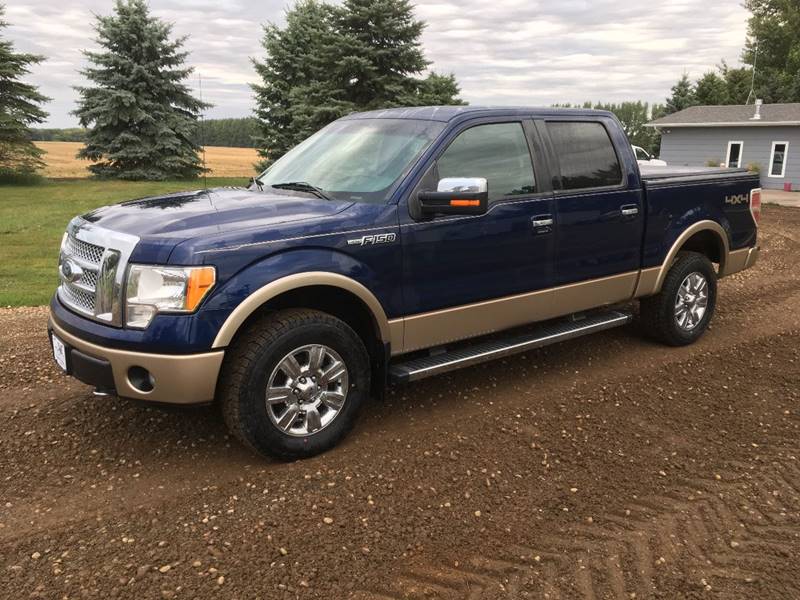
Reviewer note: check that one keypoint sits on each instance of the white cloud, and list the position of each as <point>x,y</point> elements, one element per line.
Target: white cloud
<point>503,52</point>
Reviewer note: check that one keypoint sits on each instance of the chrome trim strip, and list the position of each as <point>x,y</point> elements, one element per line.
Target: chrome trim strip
<point>293,239</point>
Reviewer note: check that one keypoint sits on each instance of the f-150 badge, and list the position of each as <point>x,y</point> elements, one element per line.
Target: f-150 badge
<point>371,240</point>
<point>737,199</point>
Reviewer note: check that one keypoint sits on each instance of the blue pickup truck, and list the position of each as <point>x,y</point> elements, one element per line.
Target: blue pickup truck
<point>387,247</point>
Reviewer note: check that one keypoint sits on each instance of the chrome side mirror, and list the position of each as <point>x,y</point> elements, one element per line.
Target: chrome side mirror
<point>472,185</point>
<point>456,196</point>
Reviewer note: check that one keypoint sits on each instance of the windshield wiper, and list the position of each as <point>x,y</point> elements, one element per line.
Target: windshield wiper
<point>302,186</point>
<point>256,181</point>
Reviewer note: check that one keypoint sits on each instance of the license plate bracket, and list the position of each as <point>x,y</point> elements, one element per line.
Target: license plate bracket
<point>59,353</point>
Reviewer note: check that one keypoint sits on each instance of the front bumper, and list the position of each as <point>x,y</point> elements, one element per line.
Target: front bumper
<point>175,379</point>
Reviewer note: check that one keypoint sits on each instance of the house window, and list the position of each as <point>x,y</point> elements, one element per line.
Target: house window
<point>777,161</point>
<point>734,160</point>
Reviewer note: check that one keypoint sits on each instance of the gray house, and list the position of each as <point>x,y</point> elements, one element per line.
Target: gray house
<point>766,137</point>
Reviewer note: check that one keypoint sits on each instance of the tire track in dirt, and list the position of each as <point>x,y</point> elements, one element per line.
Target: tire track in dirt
<point>718,534</point>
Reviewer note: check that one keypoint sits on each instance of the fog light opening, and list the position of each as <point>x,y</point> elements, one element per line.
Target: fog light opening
<point>141,379</point>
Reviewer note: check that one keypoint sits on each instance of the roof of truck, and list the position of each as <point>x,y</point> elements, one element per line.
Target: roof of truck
<point>448,113</point>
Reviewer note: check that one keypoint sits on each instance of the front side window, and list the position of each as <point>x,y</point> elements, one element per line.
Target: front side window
<point>777,165</point>
<point>734,155</point>
<point>497,152</point>
<point>585,154</point>
<point>358,160</point>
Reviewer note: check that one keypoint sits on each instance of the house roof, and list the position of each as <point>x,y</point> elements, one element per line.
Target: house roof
<point>732,116</point>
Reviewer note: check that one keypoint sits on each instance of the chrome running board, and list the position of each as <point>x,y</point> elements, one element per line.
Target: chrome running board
<point>544,334</point>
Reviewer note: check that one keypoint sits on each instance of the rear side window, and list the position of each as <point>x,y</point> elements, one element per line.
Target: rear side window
<point>586,155</point>
<point>497,152</point>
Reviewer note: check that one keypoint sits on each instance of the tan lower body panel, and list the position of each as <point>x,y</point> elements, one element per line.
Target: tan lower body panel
<point>430,329</point>
<point>739,260</point>
<point>179,379</point>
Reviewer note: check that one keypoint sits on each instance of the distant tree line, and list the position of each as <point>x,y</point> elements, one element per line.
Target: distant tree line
<point>236,133</point>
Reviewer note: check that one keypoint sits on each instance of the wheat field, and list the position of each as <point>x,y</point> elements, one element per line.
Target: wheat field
<point>223,162</point>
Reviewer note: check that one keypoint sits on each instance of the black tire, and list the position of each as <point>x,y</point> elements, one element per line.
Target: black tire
<point>658,312</point>
<point>254,356</point>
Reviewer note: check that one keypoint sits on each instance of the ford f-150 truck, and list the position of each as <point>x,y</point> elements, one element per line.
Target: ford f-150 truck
<point>390,246</point>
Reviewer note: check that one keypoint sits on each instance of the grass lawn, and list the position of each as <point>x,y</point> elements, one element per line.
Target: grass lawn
<point>33,219</point>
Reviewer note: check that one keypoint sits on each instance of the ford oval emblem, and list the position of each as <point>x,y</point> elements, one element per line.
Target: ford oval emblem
<point>71,271</point>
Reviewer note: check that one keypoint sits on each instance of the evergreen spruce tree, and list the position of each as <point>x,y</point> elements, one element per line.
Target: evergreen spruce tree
<point>711,90</point>
<point>382,51</point>
<point>297,95</point>
<point>140,114</point>
<point>329,61</point>
<point>436,90</point>
<point>682,96</point>
<point>19,109</point>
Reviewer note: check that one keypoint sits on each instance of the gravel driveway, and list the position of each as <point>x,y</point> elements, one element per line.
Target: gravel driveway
<point>606,467</point>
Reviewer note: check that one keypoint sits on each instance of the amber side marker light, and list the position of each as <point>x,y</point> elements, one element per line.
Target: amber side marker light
<point>465,202</point>
<point>200,281</point>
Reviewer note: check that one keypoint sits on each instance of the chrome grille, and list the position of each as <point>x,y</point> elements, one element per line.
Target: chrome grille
<point>78,266</point>
<point>91,268</point>
<point>78,299</point>
<point>84,250</point>
<point>89,279</point>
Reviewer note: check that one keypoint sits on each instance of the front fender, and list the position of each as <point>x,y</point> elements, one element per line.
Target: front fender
<point>251,288</point>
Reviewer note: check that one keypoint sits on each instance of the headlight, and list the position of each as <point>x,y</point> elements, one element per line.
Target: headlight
<point>153,289</point>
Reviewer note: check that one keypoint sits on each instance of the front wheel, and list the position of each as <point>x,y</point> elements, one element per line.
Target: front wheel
<point>293,384</point>
<point>680,313</point>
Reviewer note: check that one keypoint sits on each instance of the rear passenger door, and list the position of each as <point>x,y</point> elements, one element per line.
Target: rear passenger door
<point>598,201</point>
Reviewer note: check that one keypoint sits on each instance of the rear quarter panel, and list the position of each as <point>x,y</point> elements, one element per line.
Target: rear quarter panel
<point>676,203</point>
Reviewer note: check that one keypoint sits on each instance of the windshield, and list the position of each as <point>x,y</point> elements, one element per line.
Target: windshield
<point>357,159</point>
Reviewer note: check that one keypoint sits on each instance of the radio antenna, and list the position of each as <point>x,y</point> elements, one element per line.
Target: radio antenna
<point>753,78</point>
<point>202,130</point>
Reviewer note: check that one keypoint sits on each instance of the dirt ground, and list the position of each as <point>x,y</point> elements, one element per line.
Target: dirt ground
<point>606,467</point>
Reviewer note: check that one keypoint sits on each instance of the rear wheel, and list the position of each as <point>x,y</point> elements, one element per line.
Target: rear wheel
<point>293,384</point>
<point>681,312</point>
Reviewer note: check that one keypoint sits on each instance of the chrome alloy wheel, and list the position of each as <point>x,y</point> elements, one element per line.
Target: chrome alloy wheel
<point>691,301</point>
<point>307,390</point>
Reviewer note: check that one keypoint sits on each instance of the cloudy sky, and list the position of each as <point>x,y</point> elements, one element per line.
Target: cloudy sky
<point>532,52</point>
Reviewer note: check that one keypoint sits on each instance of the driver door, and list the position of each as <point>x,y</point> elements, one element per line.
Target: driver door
<point>453,264</point>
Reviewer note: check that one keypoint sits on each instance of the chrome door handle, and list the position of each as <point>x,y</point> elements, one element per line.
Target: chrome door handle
<point>629,210</point>
<point>542,221</point>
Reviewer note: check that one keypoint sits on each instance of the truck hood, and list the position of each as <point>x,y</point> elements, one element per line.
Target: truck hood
<point>189,215</point>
